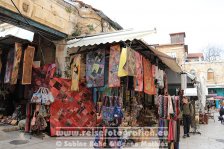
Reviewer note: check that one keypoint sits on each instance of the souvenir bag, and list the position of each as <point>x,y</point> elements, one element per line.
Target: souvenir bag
<point>110,114</point>
<point>43,111</point>
<point>47,97</point>
<point>108,109</point>
<point>118,113</point>
<point>36,98</point>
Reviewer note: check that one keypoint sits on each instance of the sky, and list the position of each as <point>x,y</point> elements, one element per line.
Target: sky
<point>201,20</point>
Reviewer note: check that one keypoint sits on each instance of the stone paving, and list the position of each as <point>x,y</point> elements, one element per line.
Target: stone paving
<point>212,137</point>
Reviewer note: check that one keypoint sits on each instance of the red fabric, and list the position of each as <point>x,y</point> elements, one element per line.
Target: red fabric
<point>149,86</point>
<point>28,114</point>
<point>170,132</point>
<point>70,109</point>
<point>42,75</point>
<point>139,73</point>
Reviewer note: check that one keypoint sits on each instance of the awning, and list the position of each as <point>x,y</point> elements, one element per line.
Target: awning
<point>110,37</point>
<point>126,35</point>
<point>169,61</point>
<point>10,30</point>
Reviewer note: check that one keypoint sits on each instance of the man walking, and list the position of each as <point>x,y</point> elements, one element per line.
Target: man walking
<point>187,113</point>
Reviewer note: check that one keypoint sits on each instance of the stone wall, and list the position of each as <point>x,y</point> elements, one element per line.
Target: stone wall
<point>61,16</point>
<point>176,49</point>
<point>201,68</point>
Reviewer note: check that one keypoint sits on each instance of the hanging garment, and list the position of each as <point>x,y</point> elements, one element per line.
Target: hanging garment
<point>138,79</point>
<point>154,71</point>
<point>27,65</point>
<point>170,107</point>
<point>15,67</point>
<point>149,86</point>
<point>9,66</point>
<point>130,65</point>
<point>160,79</point>
<point>123,60</point>
<point>165,106</point>
<point>165,83</point>
<point>95,62</point>
<point>127,66</point>
<point>170,131</point>
<point>114,80</point>
<point>75,68</point>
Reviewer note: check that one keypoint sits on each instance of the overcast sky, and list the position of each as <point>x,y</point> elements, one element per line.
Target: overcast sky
<point>201,20</point>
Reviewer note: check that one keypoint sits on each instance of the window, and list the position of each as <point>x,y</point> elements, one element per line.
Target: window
<point>193,72</point>
<point>210,74</point>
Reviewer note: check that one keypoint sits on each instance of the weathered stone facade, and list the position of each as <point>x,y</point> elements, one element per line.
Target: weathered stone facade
<point>62,16</point>
<point>203,67</point>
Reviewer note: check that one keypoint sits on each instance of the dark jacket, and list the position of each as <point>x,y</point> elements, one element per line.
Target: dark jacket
<point>187,109</point>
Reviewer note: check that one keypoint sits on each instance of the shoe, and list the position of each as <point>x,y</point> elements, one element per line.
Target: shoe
<point>188,135</point>
<point>184,136</point>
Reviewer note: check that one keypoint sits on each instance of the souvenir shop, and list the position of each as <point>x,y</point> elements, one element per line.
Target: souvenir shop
<point>20,62</point>
<point>130,90</point>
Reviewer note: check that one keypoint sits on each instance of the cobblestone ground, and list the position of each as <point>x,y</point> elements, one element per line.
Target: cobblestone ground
<point>212,137</point>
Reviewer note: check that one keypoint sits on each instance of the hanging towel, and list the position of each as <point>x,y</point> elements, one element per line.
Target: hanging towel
<point>17,58</point>
<point>75,67</point>
<point>27,65</point>
<point>170,107</point>
<point>138,80</point>
<point>114,80</point>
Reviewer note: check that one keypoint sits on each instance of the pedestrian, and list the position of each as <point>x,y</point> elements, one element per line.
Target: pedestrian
<point>187,113</point>
<point>221,112</point>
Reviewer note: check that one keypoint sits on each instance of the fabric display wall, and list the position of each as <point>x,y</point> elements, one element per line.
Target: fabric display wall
<point>70,109</point>
<point>169,110</point>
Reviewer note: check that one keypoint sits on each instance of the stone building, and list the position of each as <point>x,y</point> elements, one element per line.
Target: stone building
<point>54,21</point>
<point>193,63</point>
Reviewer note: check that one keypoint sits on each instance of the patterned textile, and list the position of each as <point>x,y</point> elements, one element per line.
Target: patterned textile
<point>149,86</point>
<point>154,71</point>
<point>17,58</point>
<point>165,106</point>
<point>123,60</point>
<point>165,83</point>
<point>138,79</point>
<point>75,68</point>
<point>95,62</point>
<point>27,65</point>
<point>114,80</point>
<point>170,109</point>
<point>41,76</point>
<point>70,109</point>
<point>127,65</point>
<point>9,66</point>
<point>130,65</point>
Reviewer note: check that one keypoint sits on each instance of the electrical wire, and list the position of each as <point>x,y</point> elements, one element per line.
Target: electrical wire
<point>43,35</point>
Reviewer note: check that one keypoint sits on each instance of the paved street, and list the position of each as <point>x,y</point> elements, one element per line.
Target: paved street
<point>212,138</point>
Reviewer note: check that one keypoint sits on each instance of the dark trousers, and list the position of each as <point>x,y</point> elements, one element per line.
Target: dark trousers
<point>187,123</point>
